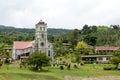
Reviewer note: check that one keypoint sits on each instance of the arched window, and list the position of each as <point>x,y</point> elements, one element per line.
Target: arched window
<point>48,52</point>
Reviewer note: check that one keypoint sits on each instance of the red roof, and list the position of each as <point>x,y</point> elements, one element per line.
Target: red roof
<point>112,48</point>
<point>22,44</point>
<point>97,56</point>
<point>42,22</point>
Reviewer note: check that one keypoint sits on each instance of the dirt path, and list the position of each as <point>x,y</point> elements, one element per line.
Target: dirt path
<point>93,78</point>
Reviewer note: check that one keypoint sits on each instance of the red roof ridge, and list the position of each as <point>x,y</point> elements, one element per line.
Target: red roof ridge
<point>107,47</point>
<point>22,44</point>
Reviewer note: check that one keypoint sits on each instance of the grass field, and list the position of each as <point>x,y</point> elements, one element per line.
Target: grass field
<point>54,73</point>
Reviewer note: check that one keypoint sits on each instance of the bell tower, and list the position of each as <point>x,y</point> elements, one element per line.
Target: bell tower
<point>41,36</point>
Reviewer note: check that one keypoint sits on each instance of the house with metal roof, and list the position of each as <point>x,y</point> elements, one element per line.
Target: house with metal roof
<point>106,49</point>
<point>103,54</point>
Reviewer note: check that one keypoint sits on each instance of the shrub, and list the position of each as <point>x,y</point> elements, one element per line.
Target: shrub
<point>81,63</point>
<point>115,60</point>
<point>38,60</point>
<point>110,68</point>
<point>89,62</point>
<point>107,68</point>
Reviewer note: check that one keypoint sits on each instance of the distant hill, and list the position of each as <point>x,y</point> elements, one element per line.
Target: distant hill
<point>6,27</point>
<point>51,31</point>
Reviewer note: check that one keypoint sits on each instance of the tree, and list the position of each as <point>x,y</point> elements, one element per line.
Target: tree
<point>51,38</point>
<point>90,40</point>
<point>81,45</point>
<point>75,33</point>
<point>115,27</point>
<point>81,48</point>
<point>94,28</point>
<point>38,60</point>
<point>116,58</point>
<point>73,42</point>
<point>58,48</point>
<point>86,29</point>
<point>2,45</point>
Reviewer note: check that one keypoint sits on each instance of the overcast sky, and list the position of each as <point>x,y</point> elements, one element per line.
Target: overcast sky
<point>68,14</point>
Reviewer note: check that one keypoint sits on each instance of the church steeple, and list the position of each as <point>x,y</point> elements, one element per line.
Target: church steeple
<point>41,23</point>
<point>41,36</point>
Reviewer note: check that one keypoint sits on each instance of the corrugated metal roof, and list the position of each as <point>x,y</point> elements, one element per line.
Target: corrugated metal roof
<point>113,48</point>
<point>22,44</point>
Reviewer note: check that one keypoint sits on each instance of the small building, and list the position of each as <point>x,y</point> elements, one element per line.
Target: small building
<point>106,49</point>
<point>97,58</point>
<point>68,46</point>
<point>21,48</point>
<point>7,49</point>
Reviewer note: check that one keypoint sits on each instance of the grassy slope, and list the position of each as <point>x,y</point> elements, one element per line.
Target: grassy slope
<point>14,73</point>
<point>87,70</point>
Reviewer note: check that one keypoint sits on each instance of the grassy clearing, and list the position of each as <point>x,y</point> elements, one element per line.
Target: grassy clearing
<point>15,73</point>
<point>22,76</point>
<point>87,70</point>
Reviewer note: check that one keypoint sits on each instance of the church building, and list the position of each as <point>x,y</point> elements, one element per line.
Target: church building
<point>25,48</point>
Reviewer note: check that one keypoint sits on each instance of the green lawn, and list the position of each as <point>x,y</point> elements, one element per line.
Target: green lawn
<point>15,73</point>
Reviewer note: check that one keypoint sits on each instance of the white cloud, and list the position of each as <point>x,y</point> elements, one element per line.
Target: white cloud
<point>59,13</point>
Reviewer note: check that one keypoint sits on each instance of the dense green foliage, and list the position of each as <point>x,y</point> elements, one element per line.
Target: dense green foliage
<point>9,34</point>
<point>94,35</point>
<point>38,59</point>
<point>116,58</point>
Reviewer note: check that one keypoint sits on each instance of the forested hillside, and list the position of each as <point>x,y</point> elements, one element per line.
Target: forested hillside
<point>92,35</point>
<point>51,31</point>
<point>9,34</point>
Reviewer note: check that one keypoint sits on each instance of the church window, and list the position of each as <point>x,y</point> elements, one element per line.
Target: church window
<point>44,28</point>
<point>49,53</point>
<point>42,44</point>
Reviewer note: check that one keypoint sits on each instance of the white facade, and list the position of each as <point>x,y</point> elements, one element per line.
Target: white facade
<point>40,44</point>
